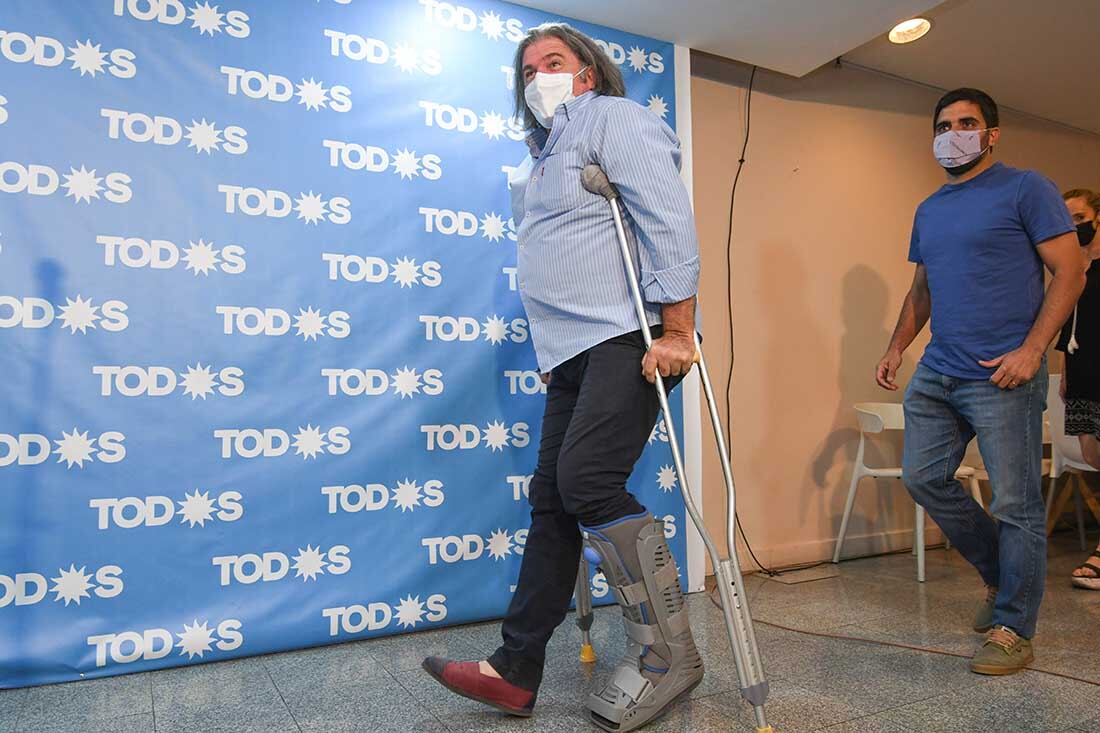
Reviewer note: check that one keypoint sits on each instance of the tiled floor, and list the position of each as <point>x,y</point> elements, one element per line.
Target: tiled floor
<point>818,684</point>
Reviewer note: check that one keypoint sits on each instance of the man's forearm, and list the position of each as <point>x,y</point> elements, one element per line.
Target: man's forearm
<point>1065,288</point>
<point>679,317</point>
<point>914,314</point>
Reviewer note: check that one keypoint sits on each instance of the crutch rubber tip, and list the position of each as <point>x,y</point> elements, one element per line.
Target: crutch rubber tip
<point>766,729</point>
<point>588,654</point>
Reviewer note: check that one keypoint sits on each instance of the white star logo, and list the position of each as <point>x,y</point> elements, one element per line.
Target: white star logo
<point>196,508</point>
<point>406,272</point>
<point>495,329</point>
<point>82,184</point>
<point>666,478</point>
<point>406,163</point>
<point>88,59</point>
<point>638,58</point>
<point>308,442</point>
<point>406,382</point>
<point>201,258</point>
<point>492,227</point>
<point>657,106</point>
<point>74,448</point>
<point>406,495</point>
<point>71,585</point>
<point>310,207</point>
<point>312,94</point>
<point>207,19</point>
<point>409,612</point>
<point>404,57</point>
<point>659,432</point>
<point>499,544</point>
<point>496,435</point>
<point>309,563</point>
<point>492,124</point>
<point>203,136</point>
<point>492,26</point>
<point>310,324</point>
<point>78,315</point>
<point>198,381</point>
<point>195,639</point>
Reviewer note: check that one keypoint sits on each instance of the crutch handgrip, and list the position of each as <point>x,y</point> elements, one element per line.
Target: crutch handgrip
<point>595,181</point>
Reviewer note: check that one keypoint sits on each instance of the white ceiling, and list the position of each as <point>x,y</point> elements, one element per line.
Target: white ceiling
<point>791,36</point>
<point>1039,57</point>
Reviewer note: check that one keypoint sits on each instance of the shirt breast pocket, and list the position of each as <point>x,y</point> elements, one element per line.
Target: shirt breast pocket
<point>559,181</point>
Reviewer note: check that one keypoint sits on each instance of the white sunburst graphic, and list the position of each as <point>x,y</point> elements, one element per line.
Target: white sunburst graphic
<point>198,381</point>
<point>78,315</point>
<point>658,106</point>
<point>203,136</point>
<point>405,57</point>
<point>492,26</point>
<point>407,495</point>
<point>87,59</point>
<point>666,478</point>
<point>71,585</point>
<point>406,272</point>
<point>196,508</point>
<point>310,207</point>
<point>495,329</point>
<point>74,448</point>
<point>496,435</point>
<point>206,18</point>
<point>493,125</point>
<point>406,163</point>
<point>308,442</point>
<point>196,639</point>
<point>409,612</point>
<point>659,432</point>
<point>309,324</point>
<point>312,94</point>
<point>406,382</point>
<point>492,227</point>
<point>309,563</point>
<point>637,58</point>
<point>201,258</point>
<point>499,544</point>
<point>82,185</point>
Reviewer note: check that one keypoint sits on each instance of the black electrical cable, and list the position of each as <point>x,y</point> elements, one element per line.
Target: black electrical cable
<point>729,305</point>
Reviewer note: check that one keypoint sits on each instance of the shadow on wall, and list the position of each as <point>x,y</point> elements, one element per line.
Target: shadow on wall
<point>866,311</point>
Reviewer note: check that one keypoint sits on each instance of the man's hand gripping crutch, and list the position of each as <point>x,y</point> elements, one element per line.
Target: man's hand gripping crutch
<point>640,568</point>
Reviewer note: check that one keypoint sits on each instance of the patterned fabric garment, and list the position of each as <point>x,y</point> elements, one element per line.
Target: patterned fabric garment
<point>569,265</point>
<point>1082,417</point>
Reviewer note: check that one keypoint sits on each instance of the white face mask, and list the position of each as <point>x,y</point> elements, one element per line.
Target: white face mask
<point>956,148</point>
<point>546,91</point>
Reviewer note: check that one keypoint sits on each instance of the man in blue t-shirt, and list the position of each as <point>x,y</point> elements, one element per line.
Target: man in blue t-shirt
<point>980,243</point>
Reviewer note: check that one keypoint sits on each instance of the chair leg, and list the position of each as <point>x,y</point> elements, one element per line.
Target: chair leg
<point>857,474</point>
<point>919,543</point>
<point>1079,509</point>
<point>976,491</point>
<point>1051,486</point>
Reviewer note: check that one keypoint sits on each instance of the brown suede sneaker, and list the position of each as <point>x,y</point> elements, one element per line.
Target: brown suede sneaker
<point>1004,652</point>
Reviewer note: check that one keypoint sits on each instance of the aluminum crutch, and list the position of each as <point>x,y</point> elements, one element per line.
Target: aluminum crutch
<point>746,654</point>
<point>583,596</point>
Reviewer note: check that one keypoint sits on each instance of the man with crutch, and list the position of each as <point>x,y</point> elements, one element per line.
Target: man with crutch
<point>601,403</point>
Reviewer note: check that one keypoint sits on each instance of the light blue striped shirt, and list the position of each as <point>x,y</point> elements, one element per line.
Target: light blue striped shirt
<point>570,271</point>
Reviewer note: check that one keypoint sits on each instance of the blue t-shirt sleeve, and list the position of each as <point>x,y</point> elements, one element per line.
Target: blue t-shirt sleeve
<point>914,242</point>
<point>1042,210</point>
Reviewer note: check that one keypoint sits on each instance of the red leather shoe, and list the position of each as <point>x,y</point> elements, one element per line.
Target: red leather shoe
<point>466,679</point>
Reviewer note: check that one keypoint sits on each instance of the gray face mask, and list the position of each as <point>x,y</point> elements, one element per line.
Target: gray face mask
<point>958,150</point>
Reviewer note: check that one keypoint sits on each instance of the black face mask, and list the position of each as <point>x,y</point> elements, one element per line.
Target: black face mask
<point>1086,232</point>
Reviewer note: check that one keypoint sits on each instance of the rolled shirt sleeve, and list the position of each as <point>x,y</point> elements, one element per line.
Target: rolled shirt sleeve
<point>641,155</point>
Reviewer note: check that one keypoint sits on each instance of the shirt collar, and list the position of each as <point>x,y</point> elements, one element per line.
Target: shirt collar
<point>536,138</point>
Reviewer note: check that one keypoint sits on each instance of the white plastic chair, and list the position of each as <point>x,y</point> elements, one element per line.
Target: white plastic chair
<point>1065,457</point>
<point>874,418</point>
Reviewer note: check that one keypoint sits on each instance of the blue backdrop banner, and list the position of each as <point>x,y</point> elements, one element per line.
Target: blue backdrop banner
<point>267,382</point>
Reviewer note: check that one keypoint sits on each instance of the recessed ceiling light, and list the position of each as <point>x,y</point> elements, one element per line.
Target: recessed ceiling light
<point>910,30</point>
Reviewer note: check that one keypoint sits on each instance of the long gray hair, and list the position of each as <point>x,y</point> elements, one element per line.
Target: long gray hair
<point>609,80</point>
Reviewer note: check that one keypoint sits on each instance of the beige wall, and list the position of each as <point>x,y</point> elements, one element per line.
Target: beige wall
<point>837,163</point>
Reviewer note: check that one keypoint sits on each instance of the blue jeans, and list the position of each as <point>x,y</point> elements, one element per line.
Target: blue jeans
<point>942,415</point>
